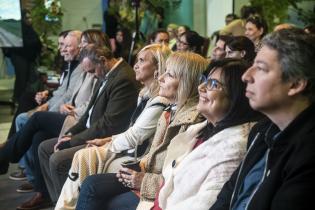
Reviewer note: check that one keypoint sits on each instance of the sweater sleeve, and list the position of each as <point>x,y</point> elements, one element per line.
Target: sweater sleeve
<point>150,185</point>
<point>143,128</point>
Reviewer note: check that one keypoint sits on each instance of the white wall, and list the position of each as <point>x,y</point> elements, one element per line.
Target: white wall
<point>81,14</point>
<point>216,12</point>
<point>200,17</point>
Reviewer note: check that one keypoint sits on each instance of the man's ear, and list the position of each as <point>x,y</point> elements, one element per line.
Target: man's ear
<point>297,87</point>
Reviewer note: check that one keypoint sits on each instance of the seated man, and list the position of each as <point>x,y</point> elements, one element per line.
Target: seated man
<point>279,168</point>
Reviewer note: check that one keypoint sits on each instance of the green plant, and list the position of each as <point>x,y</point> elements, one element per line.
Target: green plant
<point>44,28</point>
<point>276,12</point>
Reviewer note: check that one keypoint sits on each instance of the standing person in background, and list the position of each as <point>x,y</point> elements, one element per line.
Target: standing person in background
<point>23,58</point>
<point>255,29</point>
<point>278,170</point>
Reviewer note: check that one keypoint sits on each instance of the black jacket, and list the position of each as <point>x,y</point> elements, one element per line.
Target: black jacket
<point>288,182</point>
<point>112,108</point>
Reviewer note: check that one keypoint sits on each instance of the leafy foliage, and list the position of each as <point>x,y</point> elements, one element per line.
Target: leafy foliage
<point>45,28</point>
<point>276,12</point>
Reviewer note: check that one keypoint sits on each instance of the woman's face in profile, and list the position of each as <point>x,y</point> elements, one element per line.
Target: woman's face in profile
<point>144,67</point>
<point>83,43</point>
<point>213,100</point>
<point>252,32</point>
<point>168,85</point>
<point>233,53</point>
<point>182,44</point>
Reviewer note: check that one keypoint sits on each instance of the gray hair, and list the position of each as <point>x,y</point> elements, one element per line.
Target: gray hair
<point>77,34</point>
<point>296,55</point>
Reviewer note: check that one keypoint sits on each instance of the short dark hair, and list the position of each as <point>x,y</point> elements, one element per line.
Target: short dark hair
<point>239,43</point>
<point>232,70</point>
<point>194,40</point>
<point>225,39</point>
<point>246,11</point>
<point>152,36</point>
<point>259,22</point>
<point>94,52</point>
<point>296,56</point>
<point>64,33</point>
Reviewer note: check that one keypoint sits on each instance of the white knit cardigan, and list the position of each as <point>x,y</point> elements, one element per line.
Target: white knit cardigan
<point>193,178</point>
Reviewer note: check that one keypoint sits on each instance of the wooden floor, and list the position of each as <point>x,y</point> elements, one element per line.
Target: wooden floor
<point>9,198</point>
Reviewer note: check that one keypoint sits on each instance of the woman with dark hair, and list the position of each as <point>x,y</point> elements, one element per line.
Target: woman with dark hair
<point>240,47</point>
<point>255,29</point>
<point>190,41</point>
<point>123,43</point>
<point>200,160</point>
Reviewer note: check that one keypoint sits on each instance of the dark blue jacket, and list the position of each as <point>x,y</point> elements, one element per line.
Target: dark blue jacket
<point>289,177</point>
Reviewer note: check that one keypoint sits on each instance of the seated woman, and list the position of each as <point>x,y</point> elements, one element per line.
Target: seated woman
<point>255,29</point>
<point>93,160</point>
<point>200,160</point>
<point>190,41</point>
<point>179,85</point>
<point>240,47</point>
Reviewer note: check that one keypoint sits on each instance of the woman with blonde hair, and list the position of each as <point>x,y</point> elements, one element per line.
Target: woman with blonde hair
<point>113,191</point>
<point>105,155</point>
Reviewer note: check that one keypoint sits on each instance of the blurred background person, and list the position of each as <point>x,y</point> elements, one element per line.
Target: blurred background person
<point>240,47</point>
<point>24,58</point>
<point>255,29</point>
<point>172,31</point>
<point>123,43</point>
<point>190,41</point>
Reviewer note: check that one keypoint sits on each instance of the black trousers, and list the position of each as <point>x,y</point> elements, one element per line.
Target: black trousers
<point>41,126</point>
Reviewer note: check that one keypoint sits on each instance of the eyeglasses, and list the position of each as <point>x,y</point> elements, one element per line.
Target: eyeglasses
<point>211,84</point>
<point>181,42</point>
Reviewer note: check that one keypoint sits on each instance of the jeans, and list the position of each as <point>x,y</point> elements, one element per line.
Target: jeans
<point>97,191</point>
<point>125,201</point>
<point>27,160</point>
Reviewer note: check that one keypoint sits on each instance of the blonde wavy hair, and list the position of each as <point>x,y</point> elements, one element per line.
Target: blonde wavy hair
<point>187,67</point>
<point>158,55</point>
